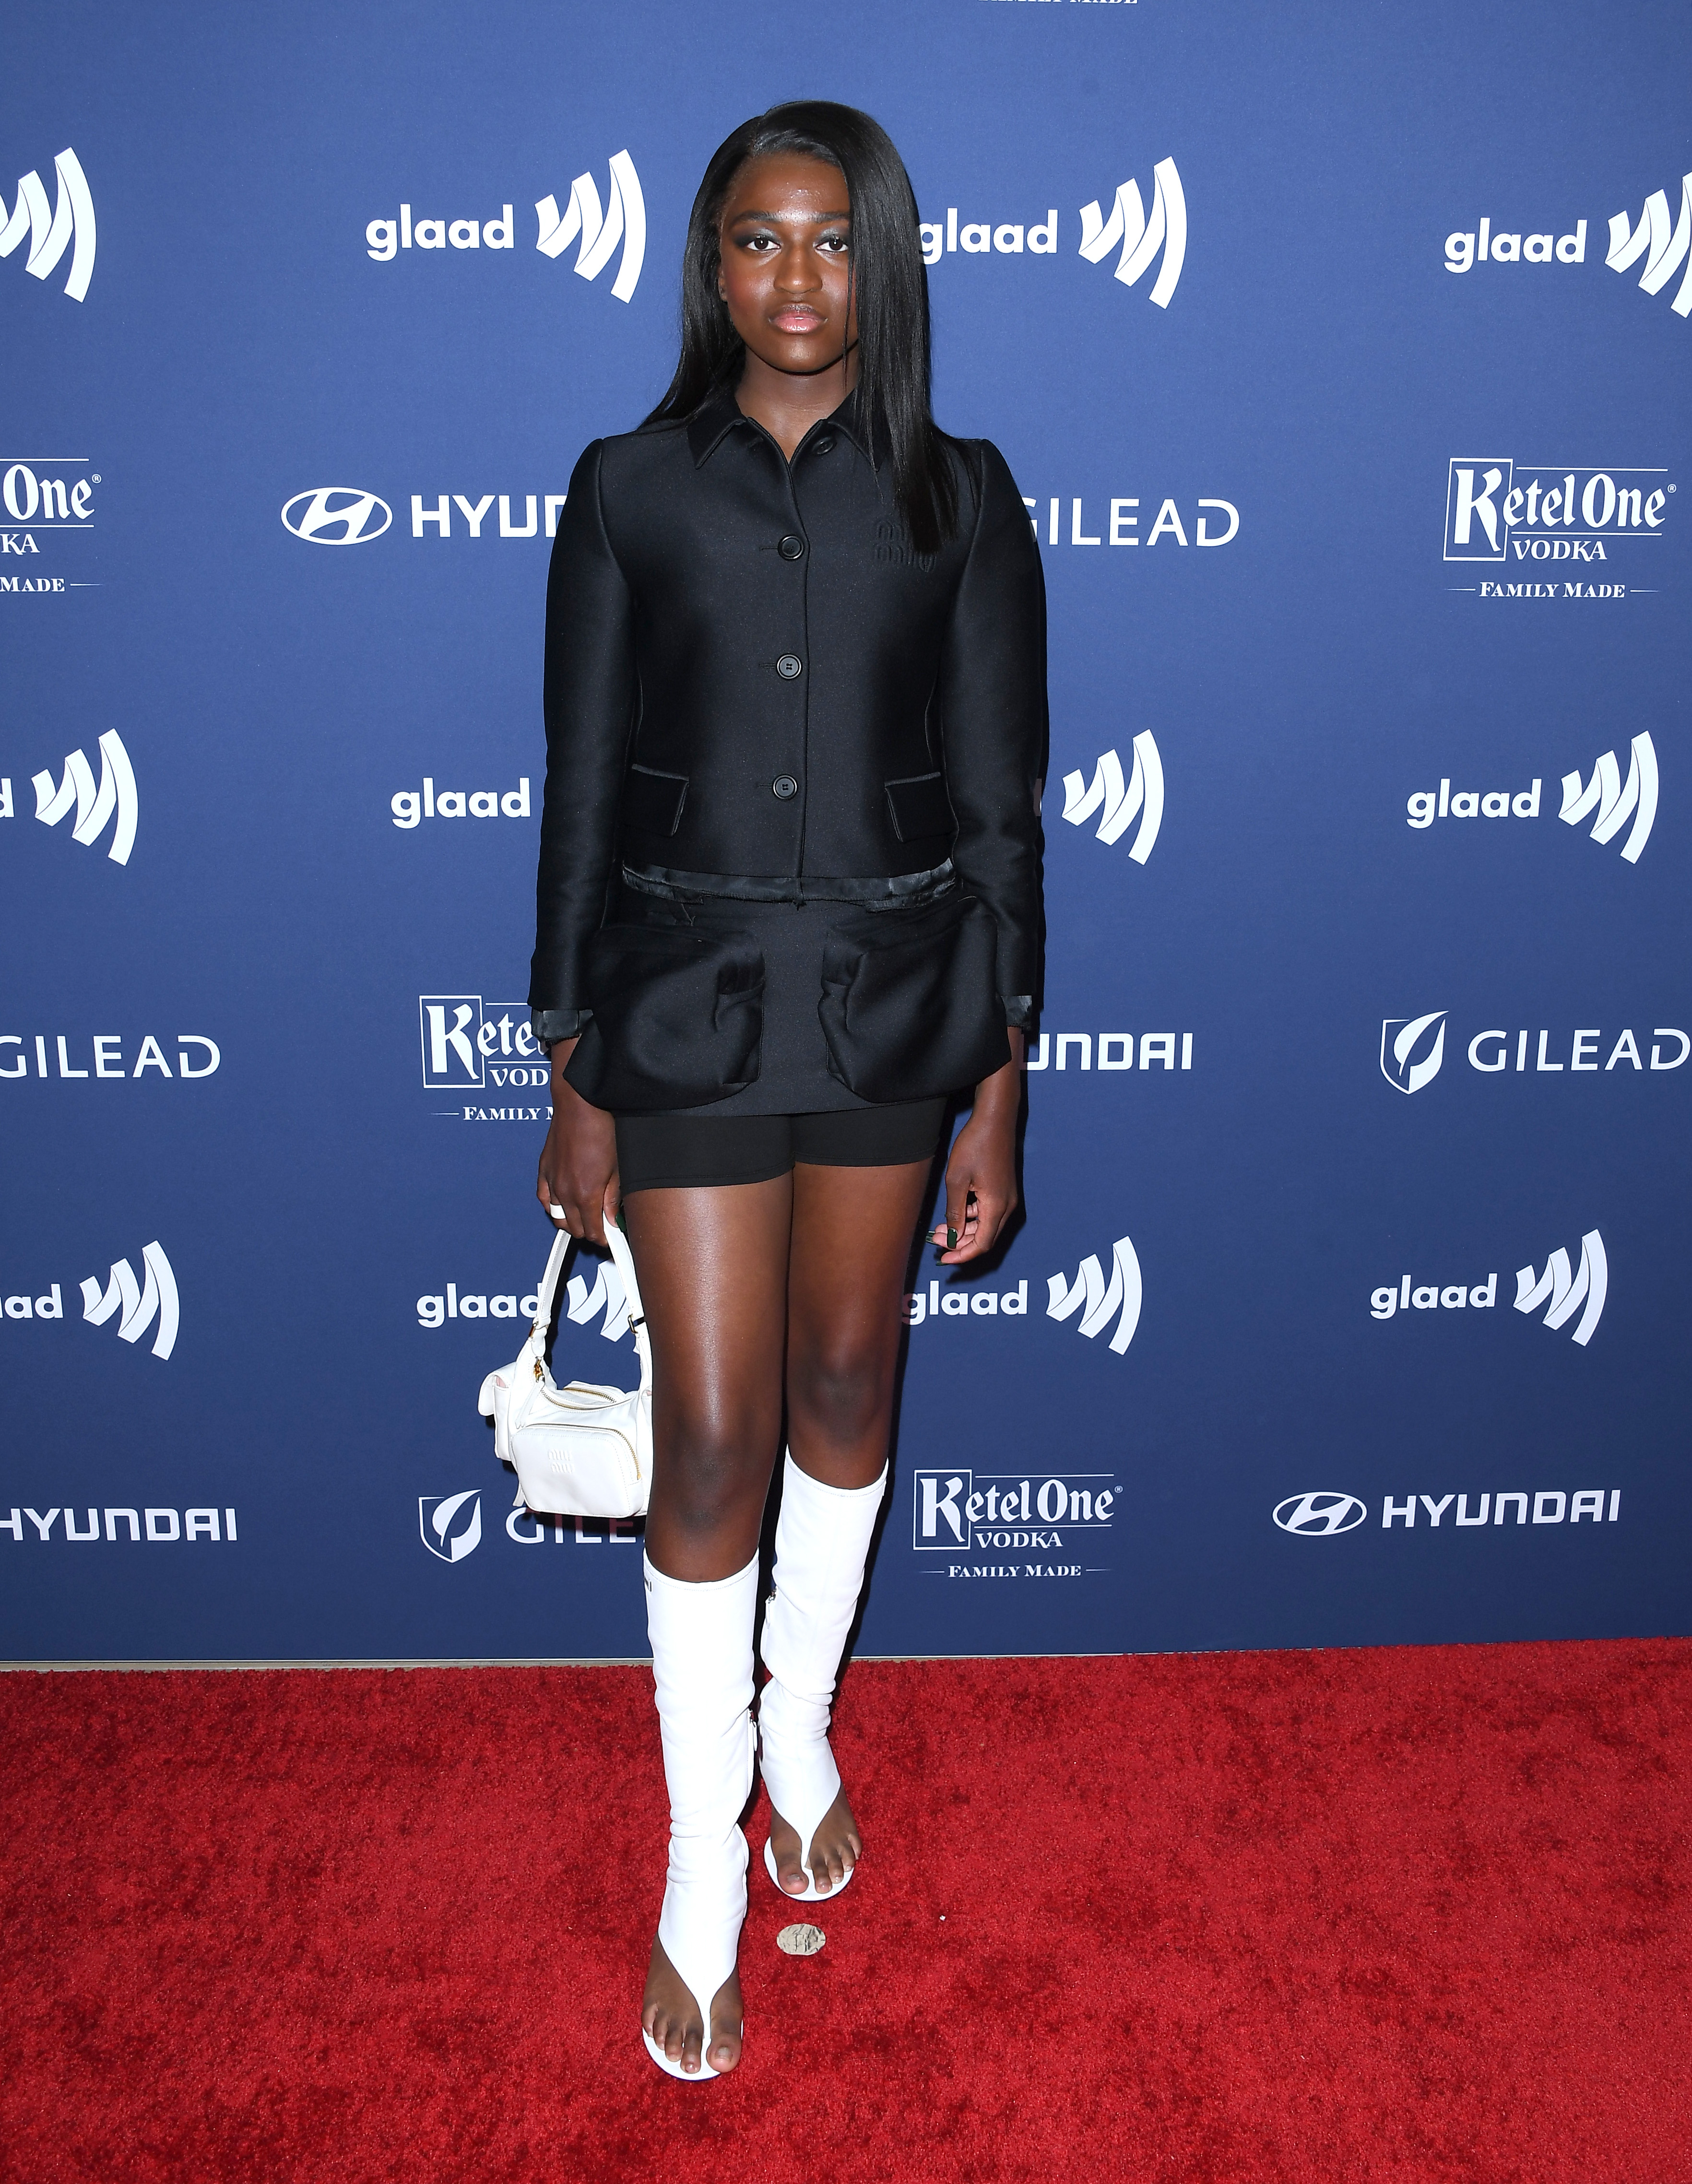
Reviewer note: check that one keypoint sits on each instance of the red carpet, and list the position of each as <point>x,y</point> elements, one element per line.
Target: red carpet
<point>1414,1915</point>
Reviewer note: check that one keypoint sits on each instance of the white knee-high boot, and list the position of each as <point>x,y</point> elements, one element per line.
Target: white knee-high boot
<point>822,1536</point>
<point>702,1666</point>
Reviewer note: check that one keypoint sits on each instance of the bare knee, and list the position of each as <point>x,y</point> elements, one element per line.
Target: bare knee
<point>714,1469</point>
<point>841,1395</point>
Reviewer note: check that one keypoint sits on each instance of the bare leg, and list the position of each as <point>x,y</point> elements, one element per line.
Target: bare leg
<point>713,1268</point>
<point>852,1230</point>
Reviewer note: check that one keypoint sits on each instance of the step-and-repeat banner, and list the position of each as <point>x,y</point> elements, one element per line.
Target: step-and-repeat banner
<point>1342,356</point>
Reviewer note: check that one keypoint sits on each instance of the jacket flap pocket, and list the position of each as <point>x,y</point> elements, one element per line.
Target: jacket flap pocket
<point>919,806</point>
<point>652,801</point>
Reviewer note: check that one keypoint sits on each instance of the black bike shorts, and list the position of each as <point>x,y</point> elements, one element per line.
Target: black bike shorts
<point>700,1151</point>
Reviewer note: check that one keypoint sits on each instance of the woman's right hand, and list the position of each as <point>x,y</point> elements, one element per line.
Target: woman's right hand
<point>577,1182</point>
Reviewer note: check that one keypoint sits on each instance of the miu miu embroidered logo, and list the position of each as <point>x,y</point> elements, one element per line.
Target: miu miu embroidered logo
<point>892,545</point>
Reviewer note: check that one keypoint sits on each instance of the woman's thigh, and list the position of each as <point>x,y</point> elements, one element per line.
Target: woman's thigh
<point>713,1270</point>
<point>853,1228</point>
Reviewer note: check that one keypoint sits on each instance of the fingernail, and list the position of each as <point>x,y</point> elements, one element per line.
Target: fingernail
<point>557,1212</point>
<point>951,1239</point>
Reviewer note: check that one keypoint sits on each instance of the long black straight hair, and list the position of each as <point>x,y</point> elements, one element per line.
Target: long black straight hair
<point>890,283</point>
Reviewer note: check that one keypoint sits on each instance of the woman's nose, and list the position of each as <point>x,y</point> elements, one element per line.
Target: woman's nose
<point>796,273</point>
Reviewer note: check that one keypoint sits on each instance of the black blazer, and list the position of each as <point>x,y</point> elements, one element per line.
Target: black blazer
<point>754,686</point>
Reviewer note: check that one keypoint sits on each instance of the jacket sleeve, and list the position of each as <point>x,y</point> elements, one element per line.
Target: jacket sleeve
<point>990,704</point>
<point>589,703</point>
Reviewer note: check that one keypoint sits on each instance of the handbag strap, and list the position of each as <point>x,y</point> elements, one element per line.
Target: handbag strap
<point>623,1260</point>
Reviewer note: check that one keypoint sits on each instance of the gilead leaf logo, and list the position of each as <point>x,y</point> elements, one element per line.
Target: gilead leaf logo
<point>450,1524</point>
<point>1400,1037</point>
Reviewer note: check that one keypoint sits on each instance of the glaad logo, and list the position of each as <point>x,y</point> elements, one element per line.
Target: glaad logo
<point>1098,1303</point>
<point>1406,1034</point>
<point>114,800</point>
<point>1566,1291</point>
<point>1614,803</point>
<point>1557,1288</point>
<point>1319,1516</point>
<point>1510,249</point>
<point>599,228</point>
<point>1141,239</point>
<point>622,220</point>
<point>138,1306</point>
<point>455,1522</point>
<point>408,807</point>
<point>1559,514</point>
<point>1651,240</point>
<point>72,216</point>
<point>337,515</point>
<point>1118,806</point>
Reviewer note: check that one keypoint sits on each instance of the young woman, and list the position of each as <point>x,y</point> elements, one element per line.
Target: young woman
<point>788,902</point>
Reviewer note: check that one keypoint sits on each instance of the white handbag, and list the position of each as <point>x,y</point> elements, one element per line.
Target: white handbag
<point>582,1450</point>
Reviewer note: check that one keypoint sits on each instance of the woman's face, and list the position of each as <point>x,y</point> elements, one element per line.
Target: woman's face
<point>785,276</point>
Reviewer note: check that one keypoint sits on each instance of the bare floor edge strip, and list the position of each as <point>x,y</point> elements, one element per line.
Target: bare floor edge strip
<point>490,1661</point>
<point>938,1660</point>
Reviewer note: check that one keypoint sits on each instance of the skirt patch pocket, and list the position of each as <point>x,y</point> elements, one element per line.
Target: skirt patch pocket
<point>909,1006</point>
<point>678,1018</point>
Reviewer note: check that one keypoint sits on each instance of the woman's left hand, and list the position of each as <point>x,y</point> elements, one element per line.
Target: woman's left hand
<point>981,1175</point>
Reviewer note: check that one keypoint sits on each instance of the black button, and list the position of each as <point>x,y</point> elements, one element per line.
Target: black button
<point>791,548</point>
<point>784,786</point>
<point>789,666</point>
<point>822,446</point>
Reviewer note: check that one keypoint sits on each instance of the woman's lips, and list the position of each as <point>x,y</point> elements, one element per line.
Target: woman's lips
<point>798,319</point>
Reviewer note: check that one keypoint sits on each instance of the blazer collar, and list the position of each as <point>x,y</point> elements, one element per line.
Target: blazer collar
<point>715,418</point>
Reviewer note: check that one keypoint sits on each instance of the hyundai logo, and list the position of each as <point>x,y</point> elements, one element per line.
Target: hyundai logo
<point>337,515</point>
<point>1318,1515</point>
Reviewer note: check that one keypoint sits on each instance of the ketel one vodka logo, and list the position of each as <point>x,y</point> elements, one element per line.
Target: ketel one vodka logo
<point>69,226</point>
<point>956,1511</point>
<point>469,1042</point>
<point>1498,509</point>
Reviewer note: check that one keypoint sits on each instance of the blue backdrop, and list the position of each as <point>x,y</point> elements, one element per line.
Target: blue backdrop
<point>1341,354</point>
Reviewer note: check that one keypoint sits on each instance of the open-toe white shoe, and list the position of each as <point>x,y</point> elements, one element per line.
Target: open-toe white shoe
<point>701,1669</point>
<point>822,1537</point>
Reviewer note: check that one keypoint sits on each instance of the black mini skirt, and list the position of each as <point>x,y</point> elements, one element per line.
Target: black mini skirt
<point>743,1008</point>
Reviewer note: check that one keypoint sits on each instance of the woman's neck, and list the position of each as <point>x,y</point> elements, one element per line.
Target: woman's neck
<point>788,404</point>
